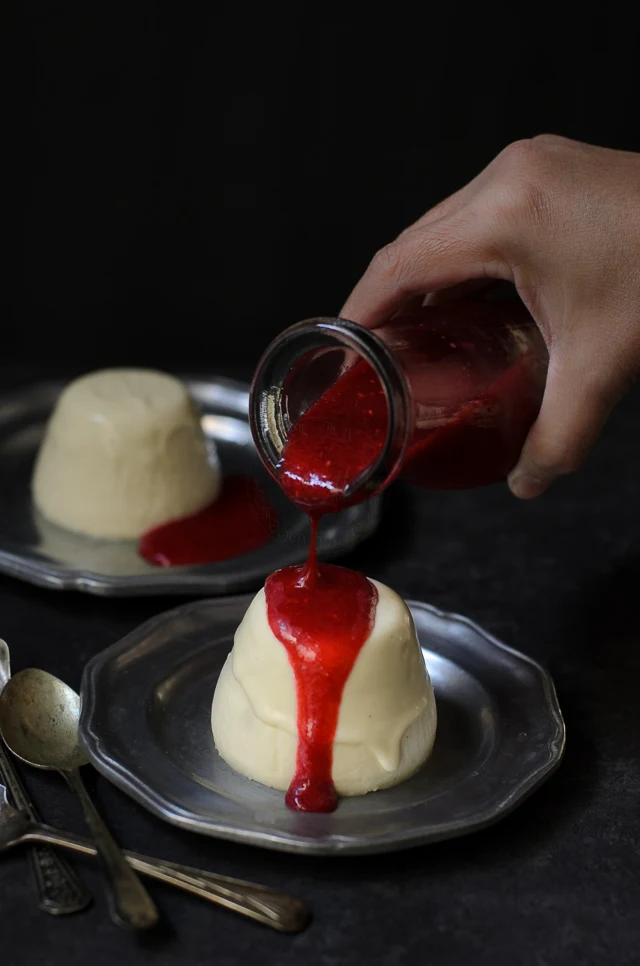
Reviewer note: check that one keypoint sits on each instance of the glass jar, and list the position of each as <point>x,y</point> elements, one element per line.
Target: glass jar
<point>452,392</point>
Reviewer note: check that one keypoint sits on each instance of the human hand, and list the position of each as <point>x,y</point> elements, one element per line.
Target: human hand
<point>561,220</point>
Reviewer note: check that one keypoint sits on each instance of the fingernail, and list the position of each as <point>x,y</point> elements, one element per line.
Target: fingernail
<point>525,486</point>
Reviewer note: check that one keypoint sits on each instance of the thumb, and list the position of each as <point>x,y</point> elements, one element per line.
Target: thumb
<point>578,398</point>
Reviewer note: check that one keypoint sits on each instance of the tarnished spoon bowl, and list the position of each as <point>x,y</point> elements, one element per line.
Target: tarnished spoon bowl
<point>39,717</point>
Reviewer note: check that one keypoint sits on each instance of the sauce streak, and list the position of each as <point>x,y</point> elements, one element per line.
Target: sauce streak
<point>322,615</point>
<point>239,521</point>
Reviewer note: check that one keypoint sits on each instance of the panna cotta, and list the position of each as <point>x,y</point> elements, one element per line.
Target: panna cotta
<point>386,722</point>
<point>123,452</point>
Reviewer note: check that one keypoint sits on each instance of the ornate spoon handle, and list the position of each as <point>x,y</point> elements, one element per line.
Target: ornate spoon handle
<point>60,891</point>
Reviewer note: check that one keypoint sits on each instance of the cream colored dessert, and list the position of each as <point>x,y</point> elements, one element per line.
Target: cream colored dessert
<point>387,721</point>
<point>123,452</point>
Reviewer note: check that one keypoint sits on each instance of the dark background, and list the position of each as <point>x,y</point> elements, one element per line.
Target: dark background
<point>191,181</point>
<point>196,177</point>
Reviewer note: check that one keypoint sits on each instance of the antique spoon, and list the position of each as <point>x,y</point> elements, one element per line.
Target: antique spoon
<point>261,903</point>
<point>39,724</point>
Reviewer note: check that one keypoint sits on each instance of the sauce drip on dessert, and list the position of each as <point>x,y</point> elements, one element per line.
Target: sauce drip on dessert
<point>324,614</point>
<point>239,521</point>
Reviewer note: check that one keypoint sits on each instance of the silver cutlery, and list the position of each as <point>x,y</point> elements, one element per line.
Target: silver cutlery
<point>39,724</point>
<point>60,891</point>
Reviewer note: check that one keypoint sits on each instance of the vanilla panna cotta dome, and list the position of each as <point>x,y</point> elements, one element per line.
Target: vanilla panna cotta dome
<point>123,452</point>
<point>387,719</point>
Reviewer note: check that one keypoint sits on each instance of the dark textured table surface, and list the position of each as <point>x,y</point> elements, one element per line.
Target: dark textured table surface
<point>557,882</point>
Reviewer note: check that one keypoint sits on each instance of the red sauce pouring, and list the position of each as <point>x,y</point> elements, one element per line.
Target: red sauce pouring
<point>322,614</point>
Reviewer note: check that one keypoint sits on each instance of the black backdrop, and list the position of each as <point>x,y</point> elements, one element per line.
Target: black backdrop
<point>191,182</point>
<point>195,177</point>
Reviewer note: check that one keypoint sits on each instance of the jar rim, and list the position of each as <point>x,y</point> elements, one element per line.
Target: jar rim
<point>266,402</point>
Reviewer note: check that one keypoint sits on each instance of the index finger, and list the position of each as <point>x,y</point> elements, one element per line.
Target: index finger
<point>426,258</point>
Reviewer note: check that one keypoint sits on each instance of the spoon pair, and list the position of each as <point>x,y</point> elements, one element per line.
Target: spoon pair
<point>39,717</point>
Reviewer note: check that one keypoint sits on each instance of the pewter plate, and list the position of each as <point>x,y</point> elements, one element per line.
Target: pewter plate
<point>35,550</point>
<point>146,705</point>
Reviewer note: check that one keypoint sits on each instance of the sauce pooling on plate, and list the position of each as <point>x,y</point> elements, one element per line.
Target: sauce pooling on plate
<point>239,521</point>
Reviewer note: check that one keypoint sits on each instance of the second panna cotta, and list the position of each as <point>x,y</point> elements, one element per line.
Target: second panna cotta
<point>123,452</point>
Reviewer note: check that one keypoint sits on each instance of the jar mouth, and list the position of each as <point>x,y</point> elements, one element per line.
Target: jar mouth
<point>268,400</point>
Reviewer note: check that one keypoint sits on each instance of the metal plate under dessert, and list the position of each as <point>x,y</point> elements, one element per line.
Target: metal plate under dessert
<point>37,551</point>
<point>500,734</point>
